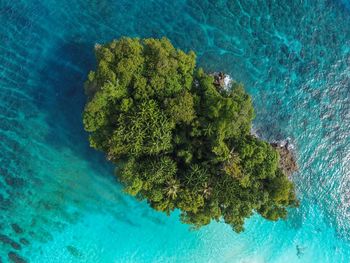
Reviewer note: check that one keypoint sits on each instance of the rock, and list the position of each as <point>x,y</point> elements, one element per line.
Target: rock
<point>222,80</point>
<point>15,258</point>
<point>6,240</point>
<point>74,251</point>
<point>14,182</point>
<point>219,79</point>
<point>287,162</point>
<point>17,228</point>
<point>24,241</point>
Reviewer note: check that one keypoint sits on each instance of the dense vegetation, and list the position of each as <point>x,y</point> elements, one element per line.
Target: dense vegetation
<point>178,140</point>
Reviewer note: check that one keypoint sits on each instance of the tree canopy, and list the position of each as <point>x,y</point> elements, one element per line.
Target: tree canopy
<point>178,140</point>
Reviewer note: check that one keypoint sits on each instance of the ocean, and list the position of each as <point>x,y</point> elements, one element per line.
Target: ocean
<point>59,199</point>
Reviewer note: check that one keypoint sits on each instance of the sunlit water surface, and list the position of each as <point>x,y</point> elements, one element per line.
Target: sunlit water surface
<point>59,201</point>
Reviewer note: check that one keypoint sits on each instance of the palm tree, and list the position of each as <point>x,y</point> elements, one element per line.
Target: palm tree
<point>172,188</point>
<point>206,190</point>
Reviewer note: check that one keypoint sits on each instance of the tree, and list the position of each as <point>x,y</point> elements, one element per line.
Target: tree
<point>180,141</point>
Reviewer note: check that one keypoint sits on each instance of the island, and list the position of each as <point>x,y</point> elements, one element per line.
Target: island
<point>181,137</point>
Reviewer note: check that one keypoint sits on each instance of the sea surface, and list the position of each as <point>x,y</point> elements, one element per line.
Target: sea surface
<point>59,199</point>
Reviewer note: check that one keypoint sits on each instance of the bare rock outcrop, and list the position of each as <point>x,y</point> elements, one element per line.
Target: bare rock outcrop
<point>287,159</point>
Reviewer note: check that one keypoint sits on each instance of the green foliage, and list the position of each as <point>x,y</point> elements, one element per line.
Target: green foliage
<point>179,141</point>
<point>144,129</point>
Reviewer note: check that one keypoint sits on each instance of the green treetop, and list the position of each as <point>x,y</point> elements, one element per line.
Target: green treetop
<point>180,141</point>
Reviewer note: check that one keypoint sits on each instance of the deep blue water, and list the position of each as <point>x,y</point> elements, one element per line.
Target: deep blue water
<point>59,201</point>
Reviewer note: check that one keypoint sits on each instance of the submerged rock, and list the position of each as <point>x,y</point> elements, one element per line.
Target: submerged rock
<point>24,241</point>
<point>6,240</point>
<point>74,251</point>
<point>15,258</point>
<point>287,161</point>
<point>15,182</point>
<point>17,228</point>
<point>300,251</point>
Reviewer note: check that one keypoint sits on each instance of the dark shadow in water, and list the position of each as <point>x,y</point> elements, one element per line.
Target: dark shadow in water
<point>62,98</point>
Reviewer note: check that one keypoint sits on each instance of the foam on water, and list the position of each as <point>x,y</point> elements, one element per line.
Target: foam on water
<point>59,200</point>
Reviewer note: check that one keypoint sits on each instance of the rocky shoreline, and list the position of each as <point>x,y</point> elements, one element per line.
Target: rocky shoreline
<point>221,80</point>
<point>287,161</point>
<point>287,157</point>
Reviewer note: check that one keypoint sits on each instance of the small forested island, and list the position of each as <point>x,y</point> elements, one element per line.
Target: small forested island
<point>181,139</point>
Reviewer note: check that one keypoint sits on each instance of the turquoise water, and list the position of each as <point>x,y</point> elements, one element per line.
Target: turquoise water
<point>59,201</point>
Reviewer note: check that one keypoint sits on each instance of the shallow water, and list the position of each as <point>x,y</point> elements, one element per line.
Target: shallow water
<point>59,201</point>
